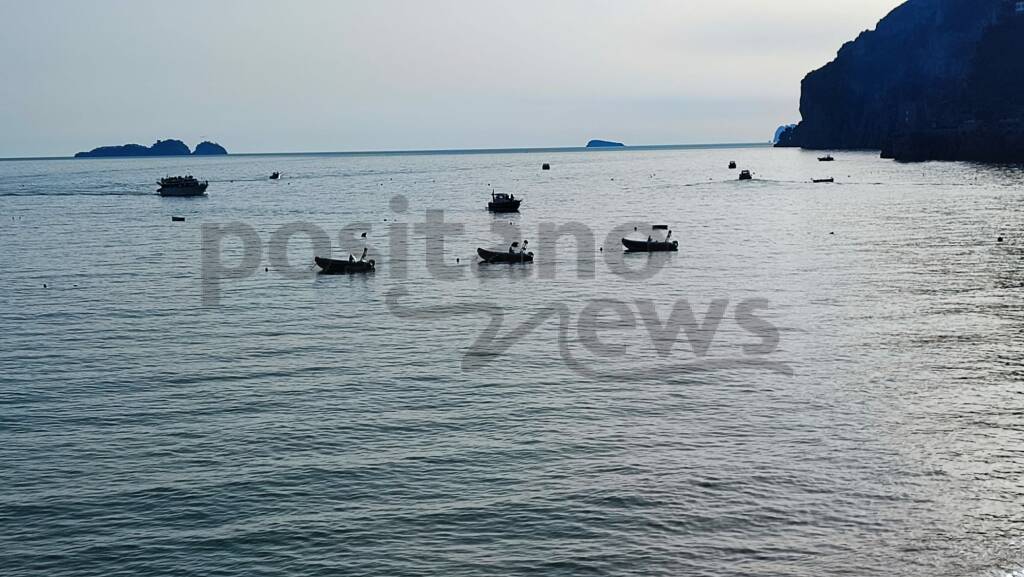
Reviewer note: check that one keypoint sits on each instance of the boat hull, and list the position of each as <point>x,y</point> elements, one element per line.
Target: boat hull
<point>183,191</point>
<point>653,246</point>
<point>490,256</point>
<point>504,207</point>
<point>334,266</point>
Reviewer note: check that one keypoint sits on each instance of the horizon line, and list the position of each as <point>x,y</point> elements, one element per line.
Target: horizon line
<point>425,151</point>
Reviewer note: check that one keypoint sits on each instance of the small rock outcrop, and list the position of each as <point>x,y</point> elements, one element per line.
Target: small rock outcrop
<point>207,148</point>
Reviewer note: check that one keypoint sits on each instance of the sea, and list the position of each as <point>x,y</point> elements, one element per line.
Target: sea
<point>824,378</point>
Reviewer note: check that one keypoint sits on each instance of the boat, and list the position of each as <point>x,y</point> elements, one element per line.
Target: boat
<point>745,175</point>
<point>491,257</point>
<point>732,165</point>
<point>275,175</point>
<point>182,186</point>
<point>177,219</point>
<point>823,180</point>
<point>827,158</point>
<point>650,245</point>
<point>545,166</point>
<point>501,202</point>
<point>336,266</point>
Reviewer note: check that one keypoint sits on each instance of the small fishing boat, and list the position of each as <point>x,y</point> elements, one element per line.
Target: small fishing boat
<point>275,175</point>
<point>545,166</point>
<point>491,257</point>
<point>336,266</point>
<point>503,203</point>
<point>650,245</point>
<point>827,158</point>
<point>823,180</point>
<point>732,165</point>
<point>177,219</point>
<point>182,186</point>
<point>746,175</point>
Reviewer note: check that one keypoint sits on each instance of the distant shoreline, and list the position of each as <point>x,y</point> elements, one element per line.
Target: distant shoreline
<point>455,151</point>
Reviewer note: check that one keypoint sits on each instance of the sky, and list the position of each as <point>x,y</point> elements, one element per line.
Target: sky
<point>346,75</point>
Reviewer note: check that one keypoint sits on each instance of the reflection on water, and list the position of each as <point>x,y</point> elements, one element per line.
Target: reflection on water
<point>304,426</point>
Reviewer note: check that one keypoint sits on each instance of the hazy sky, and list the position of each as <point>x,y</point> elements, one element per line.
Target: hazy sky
<point>330,75</point>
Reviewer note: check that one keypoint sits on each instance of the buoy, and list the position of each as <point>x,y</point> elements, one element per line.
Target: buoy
<point>1000,239</point>
<point>364,235</point>
<point>44,285</point>
<point>458,260</point>
<point>266,269</point>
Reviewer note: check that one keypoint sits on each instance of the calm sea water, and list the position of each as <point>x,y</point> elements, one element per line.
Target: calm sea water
<point>443,418</point>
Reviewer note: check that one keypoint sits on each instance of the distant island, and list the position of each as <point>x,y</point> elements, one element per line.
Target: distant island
<point>159,148</point>
<point>936,80</point>
<point>604,144</point>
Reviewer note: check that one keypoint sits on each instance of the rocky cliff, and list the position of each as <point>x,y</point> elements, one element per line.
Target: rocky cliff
<point>937,79</point>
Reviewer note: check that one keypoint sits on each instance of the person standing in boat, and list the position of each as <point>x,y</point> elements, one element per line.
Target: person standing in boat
<point>363,258</point>
<point>522,251</point>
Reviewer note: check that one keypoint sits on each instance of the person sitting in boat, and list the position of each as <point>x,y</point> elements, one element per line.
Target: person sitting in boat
<point>363,258</point>
<point>522,251</point>
<point>351,257</point>
<point>512,247</point>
